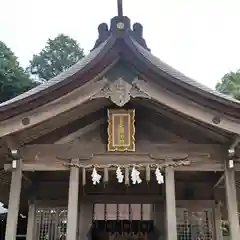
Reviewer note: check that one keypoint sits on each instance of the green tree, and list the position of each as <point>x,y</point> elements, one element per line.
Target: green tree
<point>58,55</point>
<point>13,79</point>
<point>230,84</point>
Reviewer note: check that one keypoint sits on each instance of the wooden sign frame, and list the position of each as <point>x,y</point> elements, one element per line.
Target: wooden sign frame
<point>121,130</point>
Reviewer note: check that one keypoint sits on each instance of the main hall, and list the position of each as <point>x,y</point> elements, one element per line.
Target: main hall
<point>120,146</point>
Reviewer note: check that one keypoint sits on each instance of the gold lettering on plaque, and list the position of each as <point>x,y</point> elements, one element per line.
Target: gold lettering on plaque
<point>121,130</point>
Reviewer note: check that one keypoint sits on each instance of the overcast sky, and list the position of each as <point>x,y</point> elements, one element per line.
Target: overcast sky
<point>201,38</point>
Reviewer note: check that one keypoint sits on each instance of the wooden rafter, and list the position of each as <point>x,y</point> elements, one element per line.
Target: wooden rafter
<point>80,132</point>
<point>62,121</point>
<point>187,108</point>
<point>209,132</point>
<point>54,108</point>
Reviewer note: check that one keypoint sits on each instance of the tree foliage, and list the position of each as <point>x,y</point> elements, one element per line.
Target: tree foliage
<point>58,55</point>
<point>230,84</point>
<point>13,79</point>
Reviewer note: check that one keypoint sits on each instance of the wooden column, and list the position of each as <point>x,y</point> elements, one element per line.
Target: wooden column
<point>73,203</point>
<point>231,199</point>
<point>218,221</point>
<point>31,221</point>
<point>171,218</point>
<point>14,202</point>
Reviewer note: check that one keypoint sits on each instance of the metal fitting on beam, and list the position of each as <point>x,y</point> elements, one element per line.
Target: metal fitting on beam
<point>14,164</point>
<point>14,153</point>
<point>230,163</point>
<point>231,152</point>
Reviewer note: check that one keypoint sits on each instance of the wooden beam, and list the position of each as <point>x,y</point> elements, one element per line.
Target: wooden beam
<point>186,107</point>
<point>208,132</point>
<point>62,120</point>
<point>219,181</point>
<point>235,143</point>
<point>32,167</point>
<point>101,198</point>
<point>208,167</point>
<point>79,133</point>
<point>86,151</point>
<point>186,147</point>
<point>12,143</point>
<point>54,108</point>
<point>97,198</point>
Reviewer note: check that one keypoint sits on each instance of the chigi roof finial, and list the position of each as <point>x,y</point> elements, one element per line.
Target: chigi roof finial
<point>120,8</point>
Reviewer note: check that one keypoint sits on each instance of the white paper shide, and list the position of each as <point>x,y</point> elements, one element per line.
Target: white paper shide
<point>119,175</point>
<point>95,177</point>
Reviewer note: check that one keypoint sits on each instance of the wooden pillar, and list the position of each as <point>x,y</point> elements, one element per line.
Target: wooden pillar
<point>231,199</point>
<point>171,218</point>
<point>31,221</point>
<point>218,221</point>
<point>14,202</point>
<point>73,203</point>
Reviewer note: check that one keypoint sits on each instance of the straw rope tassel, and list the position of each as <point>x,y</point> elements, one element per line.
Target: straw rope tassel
<point>126,175</point>
<point>105,180</point>
<point>148,173</point>
<point>83,176</point>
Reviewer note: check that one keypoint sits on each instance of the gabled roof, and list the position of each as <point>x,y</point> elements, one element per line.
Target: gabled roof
<point>162,66</point>
<point>61,77</point>
<point>112,45</point>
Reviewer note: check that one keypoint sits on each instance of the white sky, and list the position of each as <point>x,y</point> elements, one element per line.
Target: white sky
<point>201,38</point>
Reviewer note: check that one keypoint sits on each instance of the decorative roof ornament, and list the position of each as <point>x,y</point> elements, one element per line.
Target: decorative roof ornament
<point>120,92</point>
<point>120,8</point>
<point>120,26</point>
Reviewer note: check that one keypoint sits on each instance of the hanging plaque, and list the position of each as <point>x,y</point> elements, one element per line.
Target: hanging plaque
<point>121,130</point>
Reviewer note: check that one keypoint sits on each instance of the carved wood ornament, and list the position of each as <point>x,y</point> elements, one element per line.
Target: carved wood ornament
<point>120,91</point>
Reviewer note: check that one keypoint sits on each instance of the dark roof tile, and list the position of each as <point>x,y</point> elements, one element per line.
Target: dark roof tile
<point>61,77</point>
<point>178,75</point>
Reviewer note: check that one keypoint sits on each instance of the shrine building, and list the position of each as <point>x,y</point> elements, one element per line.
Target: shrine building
<point>121,146</point>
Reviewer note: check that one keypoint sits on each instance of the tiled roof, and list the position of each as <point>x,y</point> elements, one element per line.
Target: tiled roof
<point>59,78</point>
<point>162,66</point>
<point>178,75</point>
